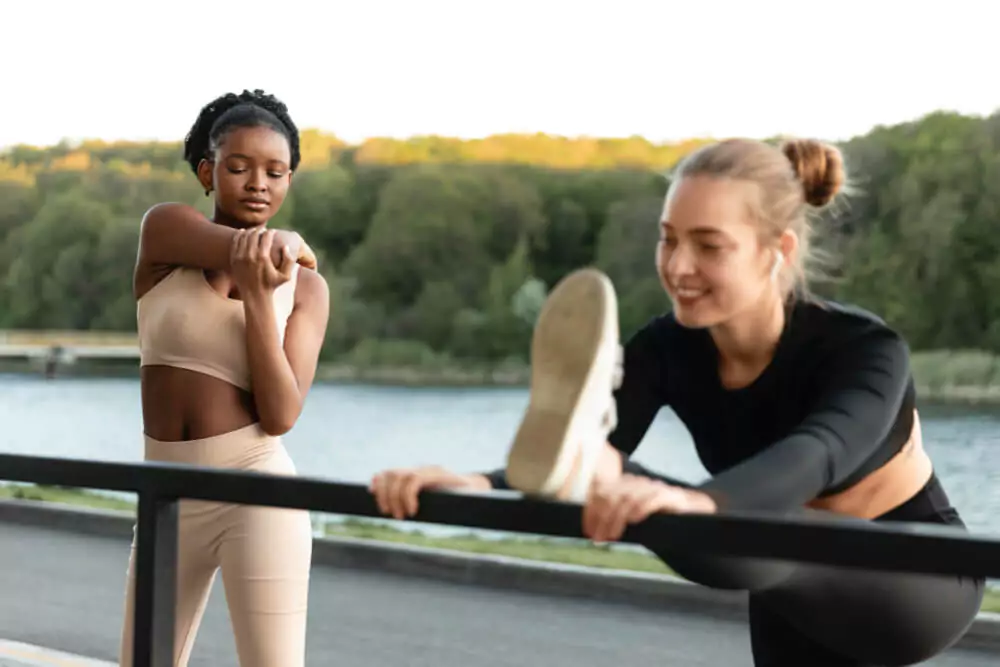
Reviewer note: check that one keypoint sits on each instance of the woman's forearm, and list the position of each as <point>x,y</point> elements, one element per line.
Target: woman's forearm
<point>180,235</point>
<point>275,388</point>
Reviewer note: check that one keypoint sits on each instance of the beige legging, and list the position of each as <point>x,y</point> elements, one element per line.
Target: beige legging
<point>264,554</point>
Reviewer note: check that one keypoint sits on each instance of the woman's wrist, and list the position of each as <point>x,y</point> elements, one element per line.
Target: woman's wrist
<point>258,298</point>
<point>701,502</point>
<point>477,482</point>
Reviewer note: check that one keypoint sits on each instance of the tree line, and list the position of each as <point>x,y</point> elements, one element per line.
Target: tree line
<point>442,250</point>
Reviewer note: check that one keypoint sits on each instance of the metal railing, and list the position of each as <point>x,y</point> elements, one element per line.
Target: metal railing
<point>897,547</point>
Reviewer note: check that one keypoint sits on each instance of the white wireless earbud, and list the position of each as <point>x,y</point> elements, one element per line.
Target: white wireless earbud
<point>778,261</point>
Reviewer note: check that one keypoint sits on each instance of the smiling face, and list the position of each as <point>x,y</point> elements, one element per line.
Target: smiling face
<point>713,260</point>
<point>250,175</point>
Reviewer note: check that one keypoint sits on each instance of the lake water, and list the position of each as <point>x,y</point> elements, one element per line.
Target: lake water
<point>349,432</point>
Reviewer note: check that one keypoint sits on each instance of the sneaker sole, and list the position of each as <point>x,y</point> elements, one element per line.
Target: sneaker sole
<point>574,354</point>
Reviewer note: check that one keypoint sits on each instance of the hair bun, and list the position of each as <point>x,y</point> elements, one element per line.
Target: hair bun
<point>819,166</point>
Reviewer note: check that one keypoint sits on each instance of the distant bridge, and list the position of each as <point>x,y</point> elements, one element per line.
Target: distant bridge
<point>58,348</point>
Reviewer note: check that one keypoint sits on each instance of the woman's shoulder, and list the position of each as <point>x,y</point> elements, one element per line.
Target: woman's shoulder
<point>839,332</point>
<point>826,316</point>
<point>311,289</point>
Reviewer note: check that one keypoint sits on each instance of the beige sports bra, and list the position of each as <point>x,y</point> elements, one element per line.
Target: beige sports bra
<point>185,323</point>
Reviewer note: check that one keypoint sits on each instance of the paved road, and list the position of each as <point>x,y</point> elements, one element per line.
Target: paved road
<point>64,591</point>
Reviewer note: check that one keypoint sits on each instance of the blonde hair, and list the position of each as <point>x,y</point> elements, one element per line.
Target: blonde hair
<point>800,175</point>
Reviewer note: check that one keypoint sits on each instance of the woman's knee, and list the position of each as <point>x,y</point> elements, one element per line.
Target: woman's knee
<point>878,617</point>
<point>935,621</point>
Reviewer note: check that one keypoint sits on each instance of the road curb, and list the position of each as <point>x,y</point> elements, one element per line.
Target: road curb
<point>68,518</point>
<point>485,570</point>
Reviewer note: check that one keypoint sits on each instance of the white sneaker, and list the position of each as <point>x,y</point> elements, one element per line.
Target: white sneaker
<point>576,364</point>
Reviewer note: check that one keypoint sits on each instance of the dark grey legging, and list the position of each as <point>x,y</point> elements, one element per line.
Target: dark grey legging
<point>814,615</point>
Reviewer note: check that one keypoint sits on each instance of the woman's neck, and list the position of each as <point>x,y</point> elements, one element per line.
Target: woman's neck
<point>746,344</point>
<point>221,218</point>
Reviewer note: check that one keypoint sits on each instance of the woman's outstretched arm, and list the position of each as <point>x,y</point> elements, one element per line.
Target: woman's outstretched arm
<point>174,234</point>
<point>862,389</point>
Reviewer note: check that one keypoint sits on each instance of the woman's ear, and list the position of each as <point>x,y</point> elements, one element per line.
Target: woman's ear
<point>205,175</point>
<point>788,244</point>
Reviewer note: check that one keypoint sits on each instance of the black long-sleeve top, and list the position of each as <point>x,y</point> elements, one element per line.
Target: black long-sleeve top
<point>835,403</point>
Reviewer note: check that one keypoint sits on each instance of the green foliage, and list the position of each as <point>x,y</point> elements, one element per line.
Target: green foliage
<point>441,251</point>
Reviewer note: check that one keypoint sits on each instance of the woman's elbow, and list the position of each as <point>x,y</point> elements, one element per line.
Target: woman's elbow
<point>279,423</point>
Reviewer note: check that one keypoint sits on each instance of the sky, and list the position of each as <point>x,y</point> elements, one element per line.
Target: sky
<point>662,69</point>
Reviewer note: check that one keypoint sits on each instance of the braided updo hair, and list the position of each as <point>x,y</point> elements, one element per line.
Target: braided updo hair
<point>248,109</point>
<point>791,179</point>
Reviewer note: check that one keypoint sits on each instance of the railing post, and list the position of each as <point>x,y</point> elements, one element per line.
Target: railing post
<point>156,581</point>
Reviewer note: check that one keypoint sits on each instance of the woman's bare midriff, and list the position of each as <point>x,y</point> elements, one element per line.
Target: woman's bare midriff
<point>178,404</point>
<point>901,478</point>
